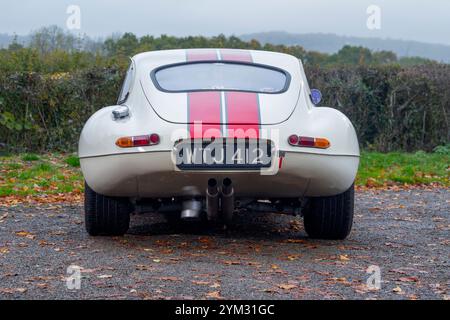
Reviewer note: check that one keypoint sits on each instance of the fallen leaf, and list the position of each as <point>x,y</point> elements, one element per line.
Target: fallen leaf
<point>270,290</point>
<point>408,279</point>
<point>169,279</point>
<point>304,277</point>
<point>371,182</point>
<point>344,257</point>
<point>397,290</point>
<point>232,263</point>
<point>295,241</point>
<point>25,234</point>
<point>341,279</point>
<point>214,294</point>
<point>57,233</point>
<point>200,283</point>
<point>206,240</point>
<point>143,267</point>
<point>362,289</point>
<point>287,286</point>
<point>4,250</point>
<point>3,217</point>
<point>13,290</point>
<point>398,271</point>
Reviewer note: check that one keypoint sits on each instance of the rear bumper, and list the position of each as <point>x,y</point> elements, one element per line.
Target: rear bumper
<point>154,175</point>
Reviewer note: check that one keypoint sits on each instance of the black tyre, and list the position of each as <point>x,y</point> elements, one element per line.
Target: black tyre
<point>173,219</point>
<point>105,215</point>
<point>330,217</point>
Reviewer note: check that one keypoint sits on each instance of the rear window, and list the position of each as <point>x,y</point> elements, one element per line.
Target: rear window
<point>220,76</point>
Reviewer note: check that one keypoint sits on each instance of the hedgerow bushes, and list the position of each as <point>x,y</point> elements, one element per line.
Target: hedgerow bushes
<point>47,112</point>
<point>392,107</point>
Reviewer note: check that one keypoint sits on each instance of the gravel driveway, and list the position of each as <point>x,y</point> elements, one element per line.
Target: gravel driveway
<point>403,233</point>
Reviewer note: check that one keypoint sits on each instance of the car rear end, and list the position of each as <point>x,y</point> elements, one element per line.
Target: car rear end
<point>205,124</point>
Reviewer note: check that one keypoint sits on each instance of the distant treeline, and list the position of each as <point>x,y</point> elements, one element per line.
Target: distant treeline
<point>52,50</point>
<point>49,88</point>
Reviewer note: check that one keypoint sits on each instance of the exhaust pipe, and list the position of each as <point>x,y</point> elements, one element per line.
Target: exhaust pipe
<point>227,200</point>
<point>212,200</point>
<point>191,207</point>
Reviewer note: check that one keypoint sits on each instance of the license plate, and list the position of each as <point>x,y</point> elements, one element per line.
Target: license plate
<point>229,154</point>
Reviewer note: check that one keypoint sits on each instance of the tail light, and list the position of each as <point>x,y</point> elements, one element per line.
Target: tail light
<point>138,141</point>
<point>293,140</point>
<point>299,141</point>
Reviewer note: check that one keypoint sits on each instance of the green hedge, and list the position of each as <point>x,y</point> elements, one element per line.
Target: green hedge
<point>392,108</point>
<point>47,112</point>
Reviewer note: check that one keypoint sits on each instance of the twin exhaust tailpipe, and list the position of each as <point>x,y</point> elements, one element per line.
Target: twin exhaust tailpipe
<point>227,200</point>
<point>216,198</point>
<point>225,194</point>
<point>212,200</point>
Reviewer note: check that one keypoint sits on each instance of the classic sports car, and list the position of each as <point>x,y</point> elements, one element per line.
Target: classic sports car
<point>200,134</point>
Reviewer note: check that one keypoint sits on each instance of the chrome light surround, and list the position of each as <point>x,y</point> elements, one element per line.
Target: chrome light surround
<point>121,112</point>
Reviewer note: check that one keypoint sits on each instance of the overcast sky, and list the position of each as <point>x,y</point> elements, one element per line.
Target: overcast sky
<point>427,21</point>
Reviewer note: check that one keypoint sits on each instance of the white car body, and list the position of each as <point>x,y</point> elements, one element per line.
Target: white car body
<point>150,171</point>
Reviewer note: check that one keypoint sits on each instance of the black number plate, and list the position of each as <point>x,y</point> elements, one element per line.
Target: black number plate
<point>229,154</point>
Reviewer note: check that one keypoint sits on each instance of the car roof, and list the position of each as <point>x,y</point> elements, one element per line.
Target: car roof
<point>165,57</point>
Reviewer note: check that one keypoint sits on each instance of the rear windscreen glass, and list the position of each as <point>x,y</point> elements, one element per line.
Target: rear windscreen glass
<point>220,76</point>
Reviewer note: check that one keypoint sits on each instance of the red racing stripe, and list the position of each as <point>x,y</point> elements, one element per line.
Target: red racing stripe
<point>204,114</point>
<point>204,108</point>
<point>199,55</point>
<point>242,114</point>
<point>235,55</point>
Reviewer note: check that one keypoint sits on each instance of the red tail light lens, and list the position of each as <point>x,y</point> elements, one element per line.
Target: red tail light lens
<point>138,141</point>
<point>306,142</point>
<point>154,138</point>
<point>293,140</point>
<point>310,142</point>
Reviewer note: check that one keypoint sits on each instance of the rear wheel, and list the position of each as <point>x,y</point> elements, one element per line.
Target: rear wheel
<point>104,215</point>
<point>330,217</point>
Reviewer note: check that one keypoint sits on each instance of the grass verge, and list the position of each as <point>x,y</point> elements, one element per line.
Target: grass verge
<point>420,168</point>
<point>29,175</point>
